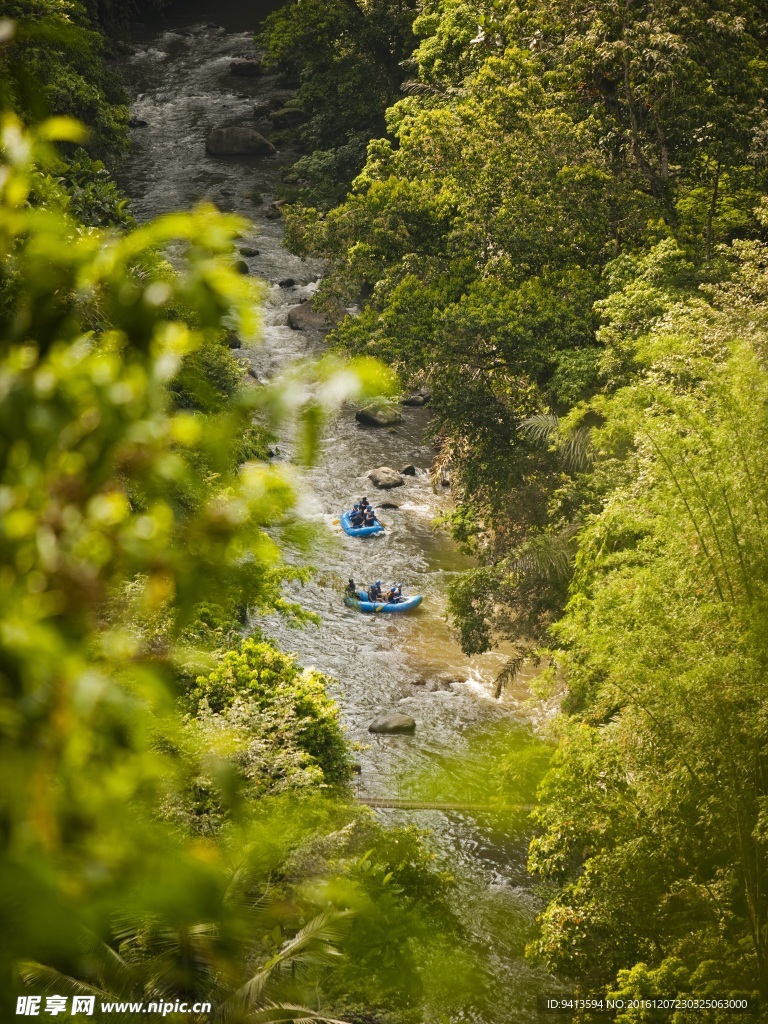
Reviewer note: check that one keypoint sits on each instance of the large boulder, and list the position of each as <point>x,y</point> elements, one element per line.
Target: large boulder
<point>233,141</point>
<point>393,723</point>
<point>385,477</point>
<point>378,414</point>
<point>246,67</point>
<point>305,317</point>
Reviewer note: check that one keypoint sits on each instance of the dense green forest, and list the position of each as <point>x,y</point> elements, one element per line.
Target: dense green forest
<point>176,821</point>
<point>560,233</point>
<point>553,217</point>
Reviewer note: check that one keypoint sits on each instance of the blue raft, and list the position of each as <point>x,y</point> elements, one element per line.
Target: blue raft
<point>359,531</point>
<point>362,603</point>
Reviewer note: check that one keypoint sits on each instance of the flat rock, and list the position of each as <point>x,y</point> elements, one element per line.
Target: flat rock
<point>394,722</point>
<point>287,282</point>
<point>246,67</point>
<point>234,141</point>
<point>409,471</point>
<point>240,266</point>
<point>388,505</point>
<point>248,250</point>
<point>385,477</point>
<point>378,414</point>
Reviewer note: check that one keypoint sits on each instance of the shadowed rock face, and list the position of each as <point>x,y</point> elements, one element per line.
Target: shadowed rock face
<point>245,67</point>
<point>393,723</point>
<point>232,141</point>
<point>385,477</point>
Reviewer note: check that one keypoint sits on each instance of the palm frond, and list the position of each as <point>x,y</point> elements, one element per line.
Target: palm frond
<point>46,980</point>
<point>442,464</point>
<point>509,672</point>
<point>545,558</point>
<point>314,945</point>
<point>540,429</point>
<point>572,444</point>
<point>106,964</point>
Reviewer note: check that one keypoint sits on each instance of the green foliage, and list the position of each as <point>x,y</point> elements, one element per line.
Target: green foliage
<point>54,65</point>
<point>108,528</point>
<point>265,684</point>
<point>310,909</point>
<point>345,57</point>
<point>560,234</point>
<point>651,817</point>
<point>542,152</point>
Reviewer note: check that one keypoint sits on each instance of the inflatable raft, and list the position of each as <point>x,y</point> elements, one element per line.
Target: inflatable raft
<point>362,603</point>
<point>359,531</point>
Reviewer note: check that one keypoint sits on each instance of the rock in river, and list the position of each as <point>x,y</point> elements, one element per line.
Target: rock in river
<point>417,398</point>
<point>305,317</point>
<point>384,477</point>
<point>246,67</point>
<point>231,141</point>
<point>393,723</point>
<point>378,414</point>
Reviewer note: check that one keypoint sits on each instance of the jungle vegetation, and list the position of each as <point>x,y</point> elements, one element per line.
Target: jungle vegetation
<point>562,234</point>
<point>176,823</point>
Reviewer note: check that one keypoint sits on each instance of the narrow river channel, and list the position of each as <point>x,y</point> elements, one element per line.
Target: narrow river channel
<point>180,84</point>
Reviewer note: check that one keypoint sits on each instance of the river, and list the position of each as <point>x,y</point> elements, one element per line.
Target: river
<point>178,76</point>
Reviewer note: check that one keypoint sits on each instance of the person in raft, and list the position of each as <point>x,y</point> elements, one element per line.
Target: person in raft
<point>351,589</point>
<point>374,592</point>
<point>357,516</point>
<point>369,517</point>
<point>395,594</point>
